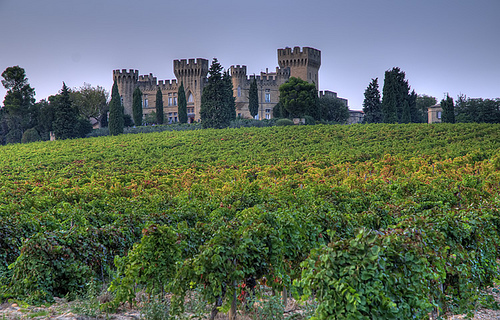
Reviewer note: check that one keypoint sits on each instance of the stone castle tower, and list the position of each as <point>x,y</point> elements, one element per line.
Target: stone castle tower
<point>301,63</point>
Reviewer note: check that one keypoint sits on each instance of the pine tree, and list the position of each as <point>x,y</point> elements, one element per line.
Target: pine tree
<point>448,114</point>
<point>137,106</point>
<point>253,99</point>
<point>372,106</point>
<point>65,123</point>
<point>217,101</point>
<point>159,107</point>
<point>115,112</point>
<point>182,104</point>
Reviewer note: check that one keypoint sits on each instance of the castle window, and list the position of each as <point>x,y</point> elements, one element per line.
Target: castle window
<point>190,98</point>
<point>268,95</point>
<point>121,100</point>
<point>146,104</point>
<point>439,114</point>
<point>175,101</point>
<point>239,91</point>
<point>169,101</point>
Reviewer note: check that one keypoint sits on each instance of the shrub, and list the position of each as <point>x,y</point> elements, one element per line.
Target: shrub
<point>284,122</point>
<point>31,135</point>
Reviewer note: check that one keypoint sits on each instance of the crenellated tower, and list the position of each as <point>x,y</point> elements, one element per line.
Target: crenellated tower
<point>303,63</point>
<point>193,73</point>
<point>126,82</point>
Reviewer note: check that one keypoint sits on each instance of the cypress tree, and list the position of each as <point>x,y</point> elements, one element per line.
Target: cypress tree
<point>217,101</point>
<point>137,106</point>
<point>159,107</point>
<point>372,106</point>
<point>448,114</point>
<point>253,99</point>
<point>395,100</point>
<point>65,123</point>
<point>115,112</point>
<point>182,104</point>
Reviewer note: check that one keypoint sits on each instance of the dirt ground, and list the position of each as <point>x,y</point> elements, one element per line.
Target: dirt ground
<point>63,310</point>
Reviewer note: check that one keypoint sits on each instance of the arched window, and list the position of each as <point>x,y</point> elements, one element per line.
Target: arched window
<point>190,97</point>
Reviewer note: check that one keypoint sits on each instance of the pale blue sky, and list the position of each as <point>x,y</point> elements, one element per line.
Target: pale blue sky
<point>443,46</point>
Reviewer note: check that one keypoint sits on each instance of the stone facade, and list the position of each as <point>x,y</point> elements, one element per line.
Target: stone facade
<point>434,113</point>
<point>298,62</point>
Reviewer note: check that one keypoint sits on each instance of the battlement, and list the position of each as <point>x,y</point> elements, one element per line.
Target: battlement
<point>148,78</point>
<point>125,76</point>
<point>238,71</point>
<point>191,68</point>
<point>306,56</point>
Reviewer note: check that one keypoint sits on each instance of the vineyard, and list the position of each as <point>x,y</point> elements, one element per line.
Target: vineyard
<point>369,221</point>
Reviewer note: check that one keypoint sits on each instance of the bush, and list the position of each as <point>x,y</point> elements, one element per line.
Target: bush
<point>30,135</point>
<point>284,122</point>
<point>310,120</point>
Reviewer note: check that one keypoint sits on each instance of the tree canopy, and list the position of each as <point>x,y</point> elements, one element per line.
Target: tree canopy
<point>90,101</point>
<point>65,123</point>
<point>333,109</point>
<point>116,121</point>
<point>217,100</point>
<point>398,105</point>
<point>253,99</point>
<point>372,106</point>
<point>137,106</point>
<point>299,98</point>
<point>182,104</point>
<point>448,114</point>
<point>159,107</point>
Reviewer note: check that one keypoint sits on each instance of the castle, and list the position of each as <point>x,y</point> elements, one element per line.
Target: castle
<point>301,63</point>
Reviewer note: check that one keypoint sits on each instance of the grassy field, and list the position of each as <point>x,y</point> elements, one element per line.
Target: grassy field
<point>222,206</point>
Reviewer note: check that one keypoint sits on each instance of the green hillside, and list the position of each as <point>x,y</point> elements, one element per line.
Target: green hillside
<point>410,212</point>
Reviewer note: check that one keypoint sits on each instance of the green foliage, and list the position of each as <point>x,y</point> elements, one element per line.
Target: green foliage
<point>372,106</point>
<point>372,276</point>
<point>398,105</point>
<point>137,106</point>
<point>299,98</point>
<point>30,135</point>
<point>284,122</point>
<point>65,124</point>
<point>477,110</point>
<point>182,104</point>
<point>127,121</point>
<point>448,107</point>
<point>423,102</point>
<point>249,204</point>
<point>159,107</point>
<point>217,101</point>
<point>253,99</point>
<point>116,123</point>
<point>333,109</point>
<point>149,263</point>
<point>20,112</point>
<point>90,101</point>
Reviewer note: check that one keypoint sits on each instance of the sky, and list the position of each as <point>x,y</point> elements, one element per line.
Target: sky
<point>443,46</point>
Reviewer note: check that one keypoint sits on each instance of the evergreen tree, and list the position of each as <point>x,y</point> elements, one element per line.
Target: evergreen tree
<point>253,99</point>
<point>20,112</point>
<point>65,124</point>
<point>448,107</point>
<point>423,103</point>
<point>159,107</point>
<point>137,106</point>
<point>115,112</point>
<point>182,104</point>
<point>217,101</point>
<point>372,106</point>
<point>333,109</point>
<point>395,104</point>
<point>299,98</point>
<point>416,115</point>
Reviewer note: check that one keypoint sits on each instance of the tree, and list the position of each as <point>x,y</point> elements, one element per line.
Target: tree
<point>299,98</point>
<point>90,101</point>
<point>217,101</point>
<point>65,124</point>
<point>137,106</point>
<point>372,106</point>
<point>20,112</point>
<point>448,114</point>
<point>182,104</point>
<point>396,104</point>
<point>45,117</point>
<point>423,103</point>
<point>253,99</point>
<point>159,107</point>
<point>115,112</point>
<point>333,109</point>
<point>477,110</point>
